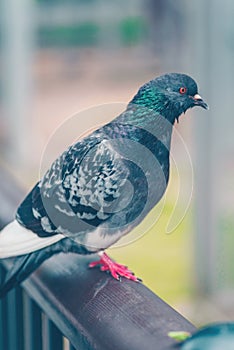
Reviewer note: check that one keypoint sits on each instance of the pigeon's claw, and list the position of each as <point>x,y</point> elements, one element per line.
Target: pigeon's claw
<point>116,270</point>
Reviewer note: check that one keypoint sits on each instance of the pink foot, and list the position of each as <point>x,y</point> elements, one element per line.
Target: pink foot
<point>116,270</point>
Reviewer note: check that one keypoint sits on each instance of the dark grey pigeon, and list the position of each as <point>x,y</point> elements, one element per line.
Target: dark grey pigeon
<point>103,186</point>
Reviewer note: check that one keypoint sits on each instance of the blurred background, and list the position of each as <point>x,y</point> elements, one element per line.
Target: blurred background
<point>60,57</point>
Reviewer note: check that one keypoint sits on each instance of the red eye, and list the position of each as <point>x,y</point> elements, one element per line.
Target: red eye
<point>183,90</point>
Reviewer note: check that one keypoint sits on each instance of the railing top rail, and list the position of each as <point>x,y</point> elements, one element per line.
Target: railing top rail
<point>90,308</point>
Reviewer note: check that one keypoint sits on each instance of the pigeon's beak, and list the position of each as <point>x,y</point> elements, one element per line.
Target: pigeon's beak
<point>198,101</point>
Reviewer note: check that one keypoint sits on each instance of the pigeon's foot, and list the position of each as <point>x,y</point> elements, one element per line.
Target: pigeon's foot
<point>116,270</point>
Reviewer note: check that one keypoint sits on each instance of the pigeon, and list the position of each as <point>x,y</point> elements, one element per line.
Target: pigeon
<point>102,186</point>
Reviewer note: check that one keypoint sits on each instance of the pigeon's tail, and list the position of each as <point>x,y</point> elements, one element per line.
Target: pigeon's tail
<point>27,250</point>
<point>22,267</point>
<point>16,240</point>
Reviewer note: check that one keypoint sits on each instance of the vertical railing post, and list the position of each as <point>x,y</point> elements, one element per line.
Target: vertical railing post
<point>14,320</point>
<point>32,325</point>
<point>52,337</point>
<point>3,317</point>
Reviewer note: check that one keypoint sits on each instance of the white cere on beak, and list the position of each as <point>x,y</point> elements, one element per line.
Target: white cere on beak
<point>197,97</point>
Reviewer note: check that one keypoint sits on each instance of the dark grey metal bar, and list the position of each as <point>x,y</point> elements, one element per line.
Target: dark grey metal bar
<point>3,318</point>
<point>32,325</point>
<point>14,320</point>
<point>3,327</point>
<point>52,337</point>
<point>91,309</point>
<point>71,347</point>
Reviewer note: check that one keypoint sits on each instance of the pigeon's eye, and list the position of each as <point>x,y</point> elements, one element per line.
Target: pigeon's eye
<point>183,90</point>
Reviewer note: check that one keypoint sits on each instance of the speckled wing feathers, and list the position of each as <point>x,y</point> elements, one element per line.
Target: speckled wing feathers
<point>79,192</point>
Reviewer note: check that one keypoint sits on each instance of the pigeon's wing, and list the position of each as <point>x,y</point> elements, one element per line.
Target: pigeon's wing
<point>82,190</point>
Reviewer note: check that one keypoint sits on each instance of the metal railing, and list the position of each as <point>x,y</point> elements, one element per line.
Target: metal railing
<point>64,305</point>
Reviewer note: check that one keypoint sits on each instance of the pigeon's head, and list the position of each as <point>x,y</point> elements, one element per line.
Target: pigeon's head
<point>170,95</point>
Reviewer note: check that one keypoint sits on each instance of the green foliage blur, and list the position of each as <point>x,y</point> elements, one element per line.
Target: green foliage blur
<point>132,30</point>
<point>85,34</point>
